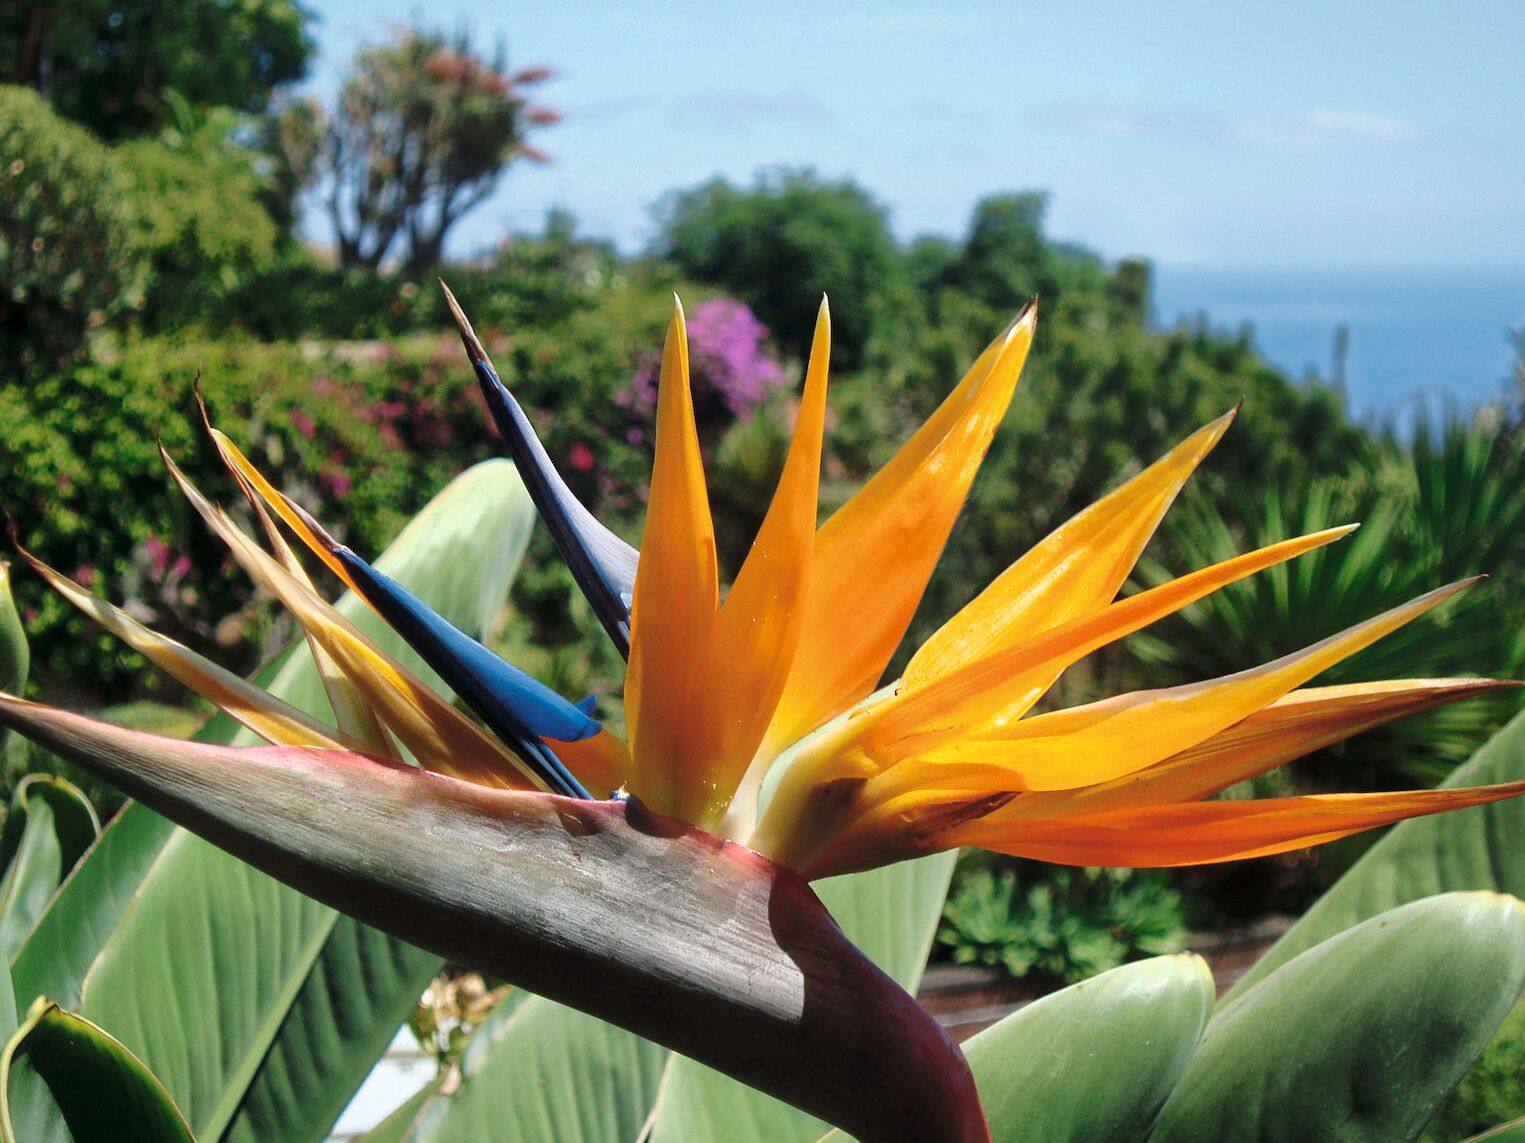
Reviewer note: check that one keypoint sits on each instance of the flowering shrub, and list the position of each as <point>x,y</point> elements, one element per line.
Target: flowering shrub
<point>732,368</point>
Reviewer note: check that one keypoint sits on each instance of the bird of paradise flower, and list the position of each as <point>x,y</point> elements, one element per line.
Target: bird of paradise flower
<point>757,742</point>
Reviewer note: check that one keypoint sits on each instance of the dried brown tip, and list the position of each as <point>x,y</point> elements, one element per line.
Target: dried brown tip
<point>469,338</point>
<point>201,407</point>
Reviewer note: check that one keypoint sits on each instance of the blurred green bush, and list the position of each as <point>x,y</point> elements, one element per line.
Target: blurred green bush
<point>198,216</point>
<point>529,281</point>
<point>68,261</point>
<point>1025,917</point>
<point>364,433</point>
<point>1493,1092</point>
<point>781,243</point>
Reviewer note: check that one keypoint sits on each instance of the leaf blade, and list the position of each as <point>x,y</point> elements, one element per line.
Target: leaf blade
<point>1360,1038</point>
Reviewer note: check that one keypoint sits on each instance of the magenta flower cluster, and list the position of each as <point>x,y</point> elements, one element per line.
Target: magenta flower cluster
<point>728,359</point>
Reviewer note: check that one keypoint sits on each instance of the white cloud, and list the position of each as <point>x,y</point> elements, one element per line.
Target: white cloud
<point>741,112</point>
<point>1118,120</point>
<point>608,110</point>
<point>1317,130</point>
<point>728,112</point>
<point>1321,129</point>
<point>939,114</point>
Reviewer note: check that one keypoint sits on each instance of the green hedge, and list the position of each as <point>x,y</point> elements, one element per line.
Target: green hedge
<point>363,433</point>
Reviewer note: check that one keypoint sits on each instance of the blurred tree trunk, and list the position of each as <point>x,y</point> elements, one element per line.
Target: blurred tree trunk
<point>33,63</point>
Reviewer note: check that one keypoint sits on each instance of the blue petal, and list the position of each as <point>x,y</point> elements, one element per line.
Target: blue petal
<point>517,708</point>
<point>601,562</point>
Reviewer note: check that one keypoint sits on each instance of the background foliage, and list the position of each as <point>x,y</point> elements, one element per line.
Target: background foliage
<point>67,257</point>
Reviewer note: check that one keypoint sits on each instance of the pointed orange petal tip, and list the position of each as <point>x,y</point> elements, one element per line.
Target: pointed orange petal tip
<point>1440,594</point>
<point>1221,423</point>
<point>1023,324</point>
<point>1203,833</point>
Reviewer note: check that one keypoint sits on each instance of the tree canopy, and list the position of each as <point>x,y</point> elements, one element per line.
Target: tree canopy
<point>112,65</point>
<point>781,243</point>
<point>422,131</point>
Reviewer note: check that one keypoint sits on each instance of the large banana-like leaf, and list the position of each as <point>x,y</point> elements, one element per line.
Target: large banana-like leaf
<point>64,1080</point>
<point>1094,1062</point>
<point>539,1071</point>
<point>1359,1039</point>
<point>360,988</point>
<point>48,829</point>
<point>7,1008</point>
<point>292,1002</point>
<point>1472,849</point>
<point>15,655</point>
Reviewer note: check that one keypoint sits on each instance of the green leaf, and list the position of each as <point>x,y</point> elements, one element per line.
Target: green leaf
<point>15,655</point>
<point>62,1078</point>
<point>1361,1037</point>
<point>360,989</point>
<point>891,914</point>
<point>80,920</point>
<point>1093,1063</point>
<point>7,1007</point>
<point>292,1004</point>
<point>413,1119</point>
<point>48,829</point>
<point>543,1071</point>
<point>1471,849</point>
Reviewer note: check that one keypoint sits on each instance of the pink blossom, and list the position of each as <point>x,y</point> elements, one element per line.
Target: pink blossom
<point>158,554</point>
<point>728,358</point>
<point>337,482</point>
<point>304,424</point>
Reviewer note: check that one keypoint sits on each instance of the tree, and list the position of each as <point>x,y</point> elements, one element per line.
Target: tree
<point>67,256</point>
<point>422,133</point>
<point>197,197</point>
<point>112,64</point>
<point>1005,258</point>
<point>782,243</point>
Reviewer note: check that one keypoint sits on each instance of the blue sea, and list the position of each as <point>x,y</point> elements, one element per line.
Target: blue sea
<point>1415,340</point>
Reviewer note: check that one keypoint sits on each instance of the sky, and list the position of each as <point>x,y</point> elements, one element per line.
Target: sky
<point>1290,135</point>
